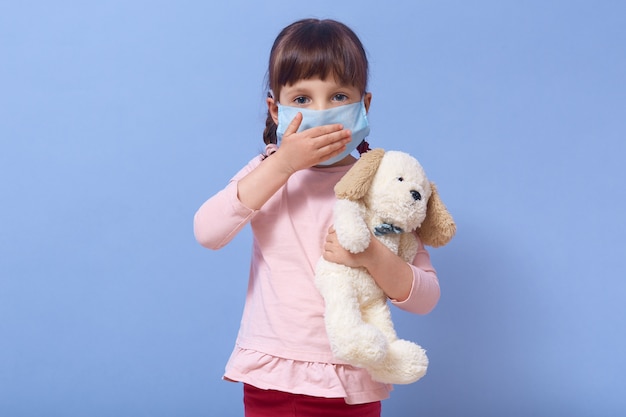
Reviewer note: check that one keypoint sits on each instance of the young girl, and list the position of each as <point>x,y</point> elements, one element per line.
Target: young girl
<point>317,76</point>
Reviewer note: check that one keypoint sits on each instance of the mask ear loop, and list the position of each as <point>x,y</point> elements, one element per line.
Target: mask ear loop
<point>364,146</point>
<point>270,130</point>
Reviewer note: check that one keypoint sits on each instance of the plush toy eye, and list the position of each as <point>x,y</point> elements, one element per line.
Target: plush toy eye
<point>400,179</point>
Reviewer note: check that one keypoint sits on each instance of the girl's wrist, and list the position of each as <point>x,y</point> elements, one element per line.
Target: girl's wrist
<point>370,255</point>
<point>281,165</point>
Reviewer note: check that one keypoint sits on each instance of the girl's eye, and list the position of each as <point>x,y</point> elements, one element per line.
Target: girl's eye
<point>340,97</point>
<point>301,100</point>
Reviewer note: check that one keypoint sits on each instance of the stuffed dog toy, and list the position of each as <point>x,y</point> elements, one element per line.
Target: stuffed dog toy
<point>388,195</point>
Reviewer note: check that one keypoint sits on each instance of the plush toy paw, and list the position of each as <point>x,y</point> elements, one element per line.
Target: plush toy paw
<point>405,363</point>
<point>355,244</point>
<point>363,346</point>
<point>352,231</point>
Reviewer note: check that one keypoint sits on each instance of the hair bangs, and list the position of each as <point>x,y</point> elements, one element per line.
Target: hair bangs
<point>318,49</point>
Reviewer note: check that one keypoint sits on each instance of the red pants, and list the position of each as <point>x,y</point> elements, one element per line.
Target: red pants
<point>269,403</point>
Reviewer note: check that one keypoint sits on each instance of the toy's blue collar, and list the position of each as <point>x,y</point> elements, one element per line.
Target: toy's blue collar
<point>387,228</point>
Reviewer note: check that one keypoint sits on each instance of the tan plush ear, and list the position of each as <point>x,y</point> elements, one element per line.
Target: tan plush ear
<point>438,227</point>
<point>356,182</point>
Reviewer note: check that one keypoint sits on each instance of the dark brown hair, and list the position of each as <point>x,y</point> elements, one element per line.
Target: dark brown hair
<point>312,48</point>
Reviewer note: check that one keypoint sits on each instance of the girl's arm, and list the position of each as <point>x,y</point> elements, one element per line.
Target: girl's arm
<point>221,217</point>
<point>425,292</point>
<point>412,287</point>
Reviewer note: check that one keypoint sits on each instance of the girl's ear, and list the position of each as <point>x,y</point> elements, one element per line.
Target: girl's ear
<point>367,100</point>
<point>272,109</point>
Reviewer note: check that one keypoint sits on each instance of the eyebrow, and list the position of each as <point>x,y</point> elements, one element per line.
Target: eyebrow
<point>305,90</point>
<point>298,90</point>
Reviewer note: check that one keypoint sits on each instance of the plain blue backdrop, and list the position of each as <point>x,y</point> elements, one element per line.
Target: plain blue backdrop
<point>119,118</point>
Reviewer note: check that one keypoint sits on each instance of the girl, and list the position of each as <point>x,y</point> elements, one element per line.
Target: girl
<point>317,76</point>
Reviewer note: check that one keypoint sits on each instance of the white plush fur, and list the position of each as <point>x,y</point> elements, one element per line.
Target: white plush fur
<point>358,319</point>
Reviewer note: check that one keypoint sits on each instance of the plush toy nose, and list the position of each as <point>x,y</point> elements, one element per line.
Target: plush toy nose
<point>416,195</point>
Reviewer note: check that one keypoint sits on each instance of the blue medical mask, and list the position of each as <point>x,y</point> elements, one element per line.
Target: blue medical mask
<point>351,116</point>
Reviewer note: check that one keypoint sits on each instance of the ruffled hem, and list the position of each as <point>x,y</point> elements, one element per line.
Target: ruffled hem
<point>308,378</point>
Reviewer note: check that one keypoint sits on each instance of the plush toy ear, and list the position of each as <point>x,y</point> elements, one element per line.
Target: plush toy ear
<point>356,182</point>
<point>438,227</point>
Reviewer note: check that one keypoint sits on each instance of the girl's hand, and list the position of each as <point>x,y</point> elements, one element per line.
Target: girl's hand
<point>300,150</point>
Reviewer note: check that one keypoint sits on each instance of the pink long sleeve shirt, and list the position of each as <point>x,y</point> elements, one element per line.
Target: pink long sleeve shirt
<point>282,342</point>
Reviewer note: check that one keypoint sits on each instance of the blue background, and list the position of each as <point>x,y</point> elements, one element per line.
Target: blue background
<point>119,118</point>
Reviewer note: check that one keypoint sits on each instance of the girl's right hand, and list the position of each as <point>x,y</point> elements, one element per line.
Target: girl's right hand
<point>300,150</point>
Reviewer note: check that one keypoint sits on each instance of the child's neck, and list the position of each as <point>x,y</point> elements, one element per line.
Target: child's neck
<point>348,160</point>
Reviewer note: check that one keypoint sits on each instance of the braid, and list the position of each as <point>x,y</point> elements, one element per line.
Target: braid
<point>269,134</point>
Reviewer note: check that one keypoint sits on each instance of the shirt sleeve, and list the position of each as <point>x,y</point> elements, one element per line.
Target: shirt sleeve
<point>223,215</point>
<point>425,291</point>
